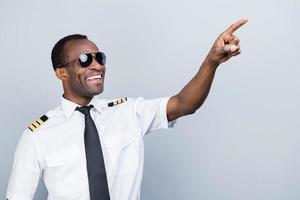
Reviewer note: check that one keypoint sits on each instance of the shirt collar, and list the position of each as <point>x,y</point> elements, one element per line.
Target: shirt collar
<point>99,104</point>
<point>68,107</point>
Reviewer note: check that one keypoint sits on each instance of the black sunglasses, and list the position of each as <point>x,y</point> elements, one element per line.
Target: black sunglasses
<point>87,58</point>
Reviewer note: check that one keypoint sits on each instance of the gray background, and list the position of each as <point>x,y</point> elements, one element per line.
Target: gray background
<point>242,144</point>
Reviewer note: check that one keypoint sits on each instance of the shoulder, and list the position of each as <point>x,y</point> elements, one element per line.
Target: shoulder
<point>118,106</point>
<point>141,101</point>
<point>124,103</point>
<point>138,101</point>
<point>34,125</point>
<point>138,105</point>
<point>42,121</point>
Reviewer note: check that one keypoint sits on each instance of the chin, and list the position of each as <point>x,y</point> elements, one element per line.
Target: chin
<point>97,92</point>
<point>94,90</point>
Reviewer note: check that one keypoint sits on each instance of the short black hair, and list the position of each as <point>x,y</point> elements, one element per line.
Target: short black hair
<point>58,57</point>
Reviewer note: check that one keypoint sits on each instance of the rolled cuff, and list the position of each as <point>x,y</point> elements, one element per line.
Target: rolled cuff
<point>164,117</point>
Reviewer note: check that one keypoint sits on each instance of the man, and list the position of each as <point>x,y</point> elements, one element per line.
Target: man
<point>89,148</point>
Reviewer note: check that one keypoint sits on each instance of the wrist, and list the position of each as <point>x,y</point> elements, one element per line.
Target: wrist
<point>211,62</point>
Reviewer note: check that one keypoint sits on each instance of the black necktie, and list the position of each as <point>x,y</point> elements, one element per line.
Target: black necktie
<point>94,158</point>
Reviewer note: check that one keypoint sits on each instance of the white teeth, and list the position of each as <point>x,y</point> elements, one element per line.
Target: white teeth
<point>94,77</point>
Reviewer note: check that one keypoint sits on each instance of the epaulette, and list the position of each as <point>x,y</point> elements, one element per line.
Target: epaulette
<point>116,102</point>
<point>37,123</point>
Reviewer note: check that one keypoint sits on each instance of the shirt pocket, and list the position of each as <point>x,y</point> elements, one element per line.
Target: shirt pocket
<point>65,174</point>
<point>123,151</point>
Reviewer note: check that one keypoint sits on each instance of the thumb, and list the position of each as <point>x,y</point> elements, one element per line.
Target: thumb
<point>230,48</point>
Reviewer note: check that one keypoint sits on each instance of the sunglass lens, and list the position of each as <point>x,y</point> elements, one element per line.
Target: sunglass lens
<point>101,58</point>
<point>85,60</point>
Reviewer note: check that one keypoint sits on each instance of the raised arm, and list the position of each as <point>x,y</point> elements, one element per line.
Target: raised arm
<point>192,96</point>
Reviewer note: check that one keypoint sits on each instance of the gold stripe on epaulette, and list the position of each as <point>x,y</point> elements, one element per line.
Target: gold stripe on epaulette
<point>31,127</point>
<point>37,123</point>
<point>118,101</point>
<point>40,121</point>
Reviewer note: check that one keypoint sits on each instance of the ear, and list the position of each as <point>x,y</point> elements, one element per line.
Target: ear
<point>61,73</point>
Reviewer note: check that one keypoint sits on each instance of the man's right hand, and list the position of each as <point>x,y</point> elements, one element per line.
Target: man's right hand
<point>226,45</point>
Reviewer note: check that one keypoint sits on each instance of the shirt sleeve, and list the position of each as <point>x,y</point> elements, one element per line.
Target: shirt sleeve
<point>152,114</point>
<point>26,170</point>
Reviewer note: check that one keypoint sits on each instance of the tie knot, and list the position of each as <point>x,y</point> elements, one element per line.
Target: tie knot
<point>85,109</point>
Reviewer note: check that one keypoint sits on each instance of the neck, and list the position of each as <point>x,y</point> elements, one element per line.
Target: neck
<point>71,96</point>
<point>78,100</point>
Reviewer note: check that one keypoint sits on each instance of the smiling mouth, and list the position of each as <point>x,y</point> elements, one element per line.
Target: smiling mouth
<point>94,77</point>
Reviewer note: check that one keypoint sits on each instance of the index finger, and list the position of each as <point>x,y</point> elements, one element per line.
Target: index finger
<point>236,26</point>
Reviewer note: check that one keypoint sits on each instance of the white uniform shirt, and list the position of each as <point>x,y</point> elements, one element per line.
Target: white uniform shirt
<point>55,150</point>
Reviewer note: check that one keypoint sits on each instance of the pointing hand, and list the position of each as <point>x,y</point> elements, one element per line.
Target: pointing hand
<point>226,45</point>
